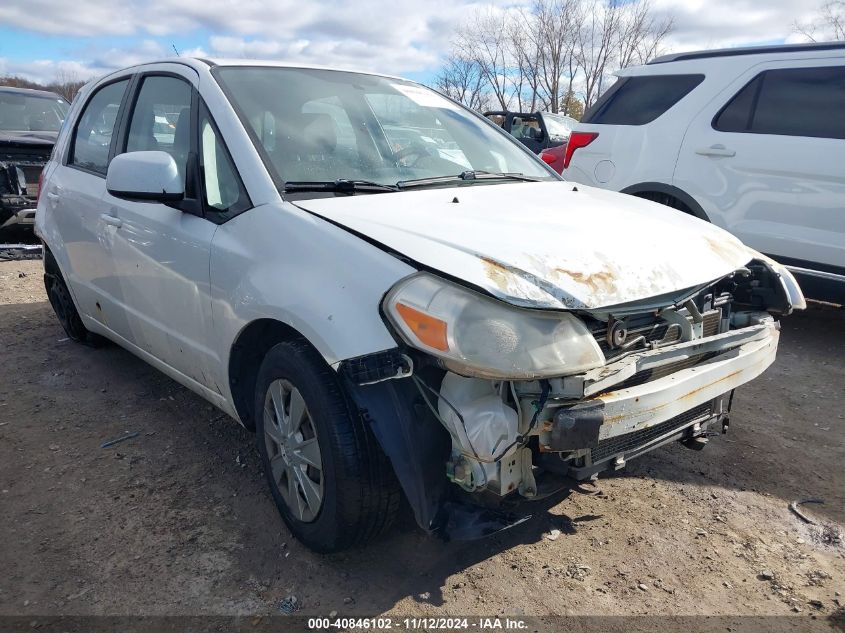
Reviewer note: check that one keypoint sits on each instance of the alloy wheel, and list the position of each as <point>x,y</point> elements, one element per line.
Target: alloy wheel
<point>294,450</point>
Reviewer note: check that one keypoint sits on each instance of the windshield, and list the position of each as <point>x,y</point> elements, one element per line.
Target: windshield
<point>559,126</point>
<point>31,113</point>
<point>324,125</point>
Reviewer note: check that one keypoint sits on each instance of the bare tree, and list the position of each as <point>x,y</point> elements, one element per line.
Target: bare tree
<point>618,34</point>
<point>527,58</point>
<point>641,34</point>
<point>828,25</point>
<point>67,83</point>
<point>462,80</point>
<point>15,81</point>
<point>484,41</point>
<point>596,44</point>
<point>553,31</point>
<point>541,57</point>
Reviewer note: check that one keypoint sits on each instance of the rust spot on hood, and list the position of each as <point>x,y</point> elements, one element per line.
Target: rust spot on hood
<point>728,249</point>
<point>600,283</point>
<point>497,273</point>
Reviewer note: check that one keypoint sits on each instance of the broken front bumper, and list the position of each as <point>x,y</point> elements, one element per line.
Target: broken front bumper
<point>17,212</point>
<point>653,397</point>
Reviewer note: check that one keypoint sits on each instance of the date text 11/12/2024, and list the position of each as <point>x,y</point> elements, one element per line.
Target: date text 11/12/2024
<point>418,624</point>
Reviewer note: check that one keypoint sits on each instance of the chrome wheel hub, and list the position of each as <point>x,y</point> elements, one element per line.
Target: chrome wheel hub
<point>294,450</point>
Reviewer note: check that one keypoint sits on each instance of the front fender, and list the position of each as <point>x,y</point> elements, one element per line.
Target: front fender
<point>278,262</point>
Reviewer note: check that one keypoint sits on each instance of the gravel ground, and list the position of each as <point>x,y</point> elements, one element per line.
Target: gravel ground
<point>178,521</point>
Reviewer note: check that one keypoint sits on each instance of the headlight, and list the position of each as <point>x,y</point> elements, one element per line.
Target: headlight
<point>479,336</point>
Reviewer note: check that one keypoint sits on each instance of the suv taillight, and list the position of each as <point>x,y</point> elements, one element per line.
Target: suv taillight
<point>577,140</point>
<point>40,186</point>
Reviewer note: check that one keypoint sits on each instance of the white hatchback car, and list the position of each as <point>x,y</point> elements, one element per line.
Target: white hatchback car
<point>383,316</point>
<point>751,139</point>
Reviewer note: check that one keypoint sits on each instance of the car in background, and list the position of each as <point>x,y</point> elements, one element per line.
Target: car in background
<point>30,121</point>
<point>750,139</point>
<point>537,131</point>
<point>392,315</point>
<point>554,157</point>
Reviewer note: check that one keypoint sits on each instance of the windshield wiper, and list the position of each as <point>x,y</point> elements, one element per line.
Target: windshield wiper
<point>341,185</point>
<point>465,176</point>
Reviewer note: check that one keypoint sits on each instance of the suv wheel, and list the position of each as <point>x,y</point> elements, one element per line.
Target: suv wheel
<point>331,483</point>
<point>62,302</point>
<point>665,199</point>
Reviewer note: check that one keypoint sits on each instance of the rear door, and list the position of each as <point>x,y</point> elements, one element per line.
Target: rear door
<point>765,160</point>
<point>75,192</point>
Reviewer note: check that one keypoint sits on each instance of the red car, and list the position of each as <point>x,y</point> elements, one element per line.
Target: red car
<point>554,156</point>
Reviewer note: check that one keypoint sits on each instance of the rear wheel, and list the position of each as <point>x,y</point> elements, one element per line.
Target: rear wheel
<point>330,480</point>
<point>63,306</point>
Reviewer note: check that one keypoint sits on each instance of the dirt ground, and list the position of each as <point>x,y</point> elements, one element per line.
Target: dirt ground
<point>179,521</point>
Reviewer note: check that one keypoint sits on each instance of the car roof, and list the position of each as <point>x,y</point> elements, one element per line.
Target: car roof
<point>200,63</point>
<point>31,92</point>
<point>732,60</point>
<point>750,50</point>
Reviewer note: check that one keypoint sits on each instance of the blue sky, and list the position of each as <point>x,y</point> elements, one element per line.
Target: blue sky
<point>85,38</point>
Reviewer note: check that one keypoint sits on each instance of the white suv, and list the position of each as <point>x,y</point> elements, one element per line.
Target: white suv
<point>751,139</point>
<point>391,291</point>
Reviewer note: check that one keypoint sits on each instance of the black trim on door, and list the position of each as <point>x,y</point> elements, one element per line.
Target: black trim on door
<point>118,122</point>
<point>190,203</point>
<point>210,213</point>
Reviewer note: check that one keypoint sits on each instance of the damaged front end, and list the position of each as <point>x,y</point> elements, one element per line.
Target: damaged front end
<point>20,169</point>
<point>484,402</point>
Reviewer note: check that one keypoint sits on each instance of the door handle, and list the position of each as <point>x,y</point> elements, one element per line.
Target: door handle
<point>715,150</point>
<point>112,220</point>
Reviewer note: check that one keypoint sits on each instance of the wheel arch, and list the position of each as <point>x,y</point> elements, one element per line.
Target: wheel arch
<point>662,188</point>
<point>245,356</point>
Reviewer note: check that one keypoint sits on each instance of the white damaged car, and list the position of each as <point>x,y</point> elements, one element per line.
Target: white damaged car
<point>393,293</point>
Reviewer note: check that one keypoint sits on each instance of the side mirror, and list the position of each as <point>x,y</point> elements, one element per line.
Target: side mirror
<point>151,176</point>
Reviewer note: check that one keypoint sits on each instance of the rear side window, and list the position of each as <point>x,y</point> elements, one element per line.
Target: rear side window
<point>789,102</point>
<point>640,100</point>
<point>92,139</point>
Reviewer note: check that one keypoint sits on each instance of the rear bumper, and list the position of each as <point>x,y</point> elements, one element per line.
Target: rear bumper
<point>16,212</point>
<point>21,218</point>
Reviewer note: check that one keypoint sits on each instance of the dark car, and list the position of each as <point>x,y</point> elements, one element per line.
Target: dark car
<point>30,121</point>
<point>536,130</point>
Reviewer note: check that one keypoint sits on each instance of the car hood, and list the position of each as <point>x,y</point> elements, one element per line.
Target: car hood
<point>544,245</point>
<point>28,139</point>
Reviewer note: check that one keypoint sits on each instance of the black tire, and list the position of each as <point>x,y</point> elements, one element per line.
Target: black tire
<point>666,200</point>
<point>360,491</point>
<point>63,306</point>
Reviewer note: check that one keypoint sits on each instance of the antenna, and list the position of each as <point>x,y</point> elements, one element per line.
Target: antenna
<point>175,50</point>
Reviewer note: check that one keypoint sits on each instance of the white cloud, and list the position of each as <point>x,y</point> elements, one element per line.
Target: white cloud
<point>367,34</point>
<point>46,70</point>
<point>723,23</point>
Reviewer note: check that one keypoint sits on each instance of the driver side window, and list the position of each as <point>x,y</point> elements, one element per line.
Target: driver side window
<point>161,119</point>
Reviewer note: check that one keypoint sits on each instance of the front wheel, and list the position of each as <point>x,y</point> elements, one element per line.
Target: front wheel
<point>330,480</point>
